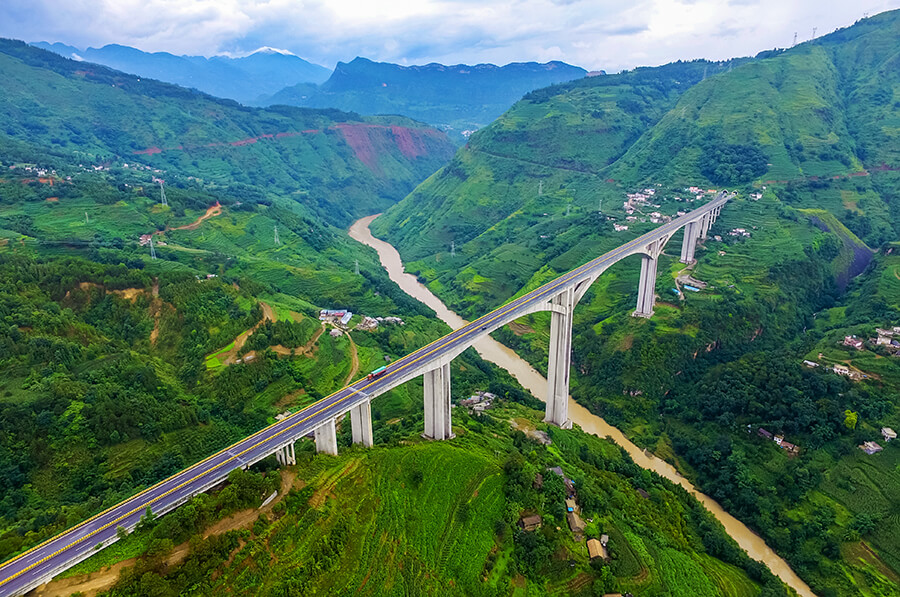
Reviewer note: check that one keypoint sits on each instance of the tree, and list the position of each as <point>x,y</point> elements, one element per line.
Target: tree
<point>850,419</point>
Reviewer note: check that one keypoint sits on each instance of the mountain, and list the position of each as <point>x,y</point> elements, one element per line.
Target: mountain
<point>804,257</point>
<point>458,99</point>
<point>244,79</point>
<point>339,165</point>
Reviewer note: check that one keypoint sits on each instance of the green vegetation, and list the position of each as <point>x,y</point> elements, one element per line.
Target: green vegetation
<point>442,518</point>
<point>807,137</point>
<point>338,165</point>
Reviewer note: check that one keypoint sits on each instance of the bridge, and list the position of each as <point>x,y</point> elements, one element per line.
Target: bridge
<point>41,563</point>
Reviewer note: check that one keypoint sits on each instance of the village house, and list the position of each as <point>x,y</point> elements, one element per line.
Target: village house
<point>643,493</point>
<point>530,523</point>
<point>854,342</point>
<point>620,227</point>
<point>888,434</point>
<point>575,523</point>
<point>335,316</point>
<point>595,550</point>
<point>811,364</point>
<point>335,333</point>
<point>841,369</point>
<point>766,434</point>
<point>790,448</point>
<point>870,448</point>
<point>570,505</point>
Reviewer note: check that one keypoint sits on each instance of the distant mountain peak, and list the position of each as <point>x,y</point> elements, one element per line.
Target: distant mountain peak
<point>271,50</point>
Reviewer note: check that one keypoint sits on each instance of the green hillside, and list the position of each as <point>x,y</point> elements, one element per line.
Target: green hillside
<point>442,518</point>
<point>807,137</point>
<point>339,165</point>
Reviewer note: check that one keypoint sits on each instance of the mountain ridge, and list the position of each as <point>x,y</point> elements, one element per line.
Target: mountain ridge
<point>242,79</point>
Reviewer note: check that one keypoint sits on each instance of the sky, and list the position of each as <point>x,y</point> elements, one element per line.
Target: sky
<point>596,34</point>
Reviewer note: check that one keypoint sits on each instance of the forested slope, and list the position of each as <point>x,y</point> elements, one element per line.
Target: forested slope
<point>803,257</point>
<point>338,164</point>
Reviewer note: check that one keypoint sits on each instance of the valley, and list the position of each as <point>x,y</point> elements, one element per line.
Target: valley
<point>466,330</point>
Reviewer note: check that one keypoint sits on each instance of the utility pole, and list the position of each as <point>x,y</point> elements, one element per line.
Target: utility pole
<point>152,249</point>
<point>162,194</point>
<point>356,262</point>
<point>277,242</point>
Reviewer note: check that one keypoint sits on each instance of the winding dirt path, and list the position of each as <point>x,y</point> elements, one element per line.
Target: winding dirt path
<point>212,211</point>
<point>97,582</point>
<point>354,357</point>
<point>230,356</point>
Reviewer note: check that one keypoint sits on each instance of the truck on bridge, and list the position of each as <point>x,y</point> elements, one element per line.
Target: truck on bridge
<point>376,373</point>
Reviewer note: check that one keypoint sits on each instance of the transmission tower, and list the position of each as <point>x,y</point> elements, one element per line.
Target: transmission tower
<point>705,68</point>
<point>356,262</point>
<point>152,249</point>
<point>162,194</point>
<point>86,220</point>
<point>795,39</point>
<point>452,249</point>
<point>814,32</point>
<point>540,188</point>
<point>600,208</point>
<point>277,242</point>
<point>568,209</point>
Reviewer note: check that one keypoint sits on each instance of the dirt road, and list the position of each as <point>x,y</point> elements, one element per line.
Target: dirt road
<point>96,582</point>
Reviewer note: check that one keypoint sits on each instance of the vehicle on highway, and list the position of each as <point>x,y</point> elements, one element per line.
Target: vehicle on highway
<point>376,373</point>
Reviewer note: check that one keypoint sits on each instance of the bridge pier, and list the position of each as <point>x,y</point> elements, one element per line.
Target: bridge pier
<point>361,424</point>
<point>689,245</point>
<point>326,438</point>
<point>646,287</point>
<point>706,224</point>
<point>286,455</point>
<point>437,403</point>
<point>557,411</point>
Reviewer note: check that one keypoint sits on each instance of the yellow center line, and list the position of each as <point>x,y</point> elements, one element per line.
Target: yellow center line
<point>474,326</point>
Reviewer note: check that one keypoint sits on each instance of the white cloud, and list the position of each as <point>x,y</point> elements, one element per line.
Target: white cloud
<point>607,34</point>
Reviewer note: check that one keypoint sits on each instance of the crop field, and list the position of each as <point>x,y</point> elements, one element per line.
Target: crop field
<point>431,552</point>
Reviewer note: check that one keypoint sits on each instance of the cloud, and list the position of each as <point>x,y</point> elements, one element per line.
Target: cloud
<point>596,34</point>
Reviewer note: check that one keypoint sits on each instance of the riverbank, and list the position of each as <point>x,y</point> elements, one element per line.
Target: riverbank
<point>530,379</point>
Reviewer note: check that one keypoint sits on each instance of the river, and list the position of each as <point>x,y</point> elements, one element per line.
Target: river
<point>530,379</point>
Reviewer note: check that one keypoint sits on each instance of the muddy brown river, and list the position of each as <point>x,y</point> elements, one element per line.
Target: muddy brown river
<point>530,379</point>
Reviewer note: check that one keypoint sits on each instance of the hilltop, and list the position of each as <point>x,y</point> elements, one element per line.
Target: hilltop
<point>458,99</point>
<point>802,258</point>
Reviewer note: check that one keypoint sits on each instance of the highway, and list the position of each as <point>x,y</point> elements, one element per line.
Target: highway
<point>42,562</point>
